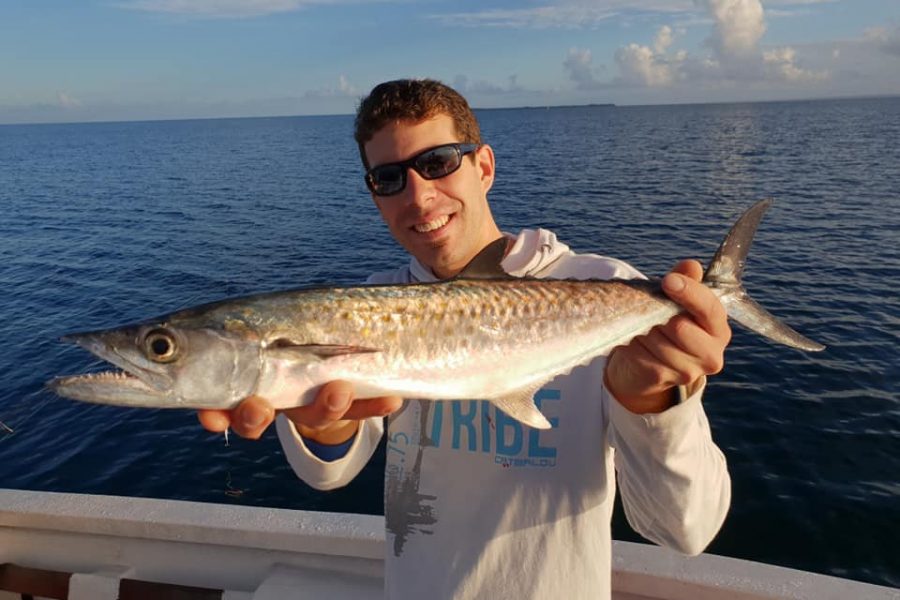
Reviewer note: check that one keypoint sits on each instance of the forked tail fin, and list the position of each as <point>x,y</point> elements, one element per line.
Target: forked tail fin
<point>725,272</point>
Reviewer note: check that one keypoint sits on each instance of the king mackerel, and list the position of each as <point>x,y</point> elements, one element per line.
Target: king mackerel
<point>427,340</point>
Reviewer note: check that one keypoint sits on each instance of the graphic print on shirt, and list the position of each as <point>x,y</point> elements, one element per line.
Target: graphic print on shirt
<point>475,427</point>
<point>407,510</point>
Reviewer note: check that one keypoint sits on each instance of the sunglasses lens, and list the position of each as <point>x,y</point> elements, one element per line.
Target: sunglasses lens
<point>438,162</point>
<point>390,179</point>
<point>387,179</point>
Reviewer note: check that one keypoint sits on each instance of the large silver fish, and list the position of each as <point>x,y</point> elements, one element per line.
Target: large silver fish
<point>482,335</point>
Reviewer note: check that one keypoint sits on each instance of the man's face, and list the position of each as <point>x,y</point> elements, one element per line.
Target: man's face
<point>442,222</point>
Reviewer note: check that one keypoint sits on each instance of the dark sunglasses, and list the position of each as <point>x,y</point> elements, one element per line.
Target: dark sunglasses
<point>434,163</point>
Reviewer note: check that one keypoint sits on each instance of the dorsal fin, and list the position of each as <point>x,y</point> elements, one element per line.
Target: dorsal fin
<point>486,264</point>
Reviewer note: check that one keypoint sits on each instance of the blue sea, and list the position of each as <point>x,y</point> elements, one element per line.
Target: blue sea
<point>107,223</point>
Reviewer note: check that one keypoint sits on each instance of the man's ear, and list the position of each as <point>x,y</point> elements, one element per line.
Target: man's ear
<point>484,160</point>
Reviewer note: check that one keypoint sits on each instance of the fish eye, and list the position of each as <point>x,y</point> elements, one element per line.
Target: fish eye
<point>160,346</point>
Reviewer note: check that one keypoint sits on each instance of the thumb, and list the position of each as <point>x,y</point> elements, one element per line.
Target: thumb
<point>689,268</point>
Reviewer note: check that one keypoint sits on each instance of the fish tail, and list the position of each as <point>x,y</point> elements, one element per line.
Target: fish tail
<point>725,272</point>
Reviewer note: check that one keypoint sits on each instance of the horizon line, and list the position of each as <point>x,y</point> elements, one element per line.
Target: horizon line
<point>474,108</point>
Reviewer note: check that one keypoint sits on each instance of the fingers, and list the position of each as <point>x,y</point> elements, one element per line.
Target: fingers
<point>690,268</point>
<point>365,408</point>
<point>653,363</point>
<point>684,351</point>
<point>678,352</point>
<point>251,418</point>
<point>684,287</point>
<point>332,417</point>
<point>668,363</point>
<point>248,420</point>
<point>702,352</point>
<point>689,346</point>
<point>694,342</point>
<point>334,414</point>
<point>637,380</point>
<point>335,402</point>
<point>215,421</point>
<point>330,405</point>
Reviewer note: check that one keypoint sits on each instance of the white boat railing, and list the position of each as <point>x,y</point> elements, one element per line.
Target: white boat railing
<point>106,547</point>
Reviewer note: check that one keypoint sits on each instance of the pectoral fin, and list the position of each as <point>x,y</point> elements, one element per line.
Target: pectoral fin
<point>321,351</point>
<point>520,406</point>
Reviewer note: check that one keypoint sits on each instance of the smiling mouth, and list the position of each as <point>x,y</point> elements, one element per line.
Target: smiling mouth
<point>432,225</point>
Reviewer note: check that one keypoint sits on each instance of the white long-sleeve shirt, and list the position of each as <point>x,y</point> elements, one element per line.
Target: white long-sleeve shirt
<point>478,505</point>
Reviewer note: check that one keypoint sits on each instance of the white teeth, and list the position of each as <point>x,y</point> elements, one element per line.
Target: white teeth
<point>432,225</point>
<point>104,375</point>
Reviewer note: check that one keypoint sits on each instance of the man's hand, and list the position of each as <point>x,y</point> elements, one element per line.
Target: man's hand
<point>643,375</point>
<point>332,418</point>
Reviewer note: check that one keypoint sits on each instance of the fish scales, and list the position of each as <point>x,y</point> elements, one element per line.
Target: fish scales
<point>499,311</point>
<point>464,322</point>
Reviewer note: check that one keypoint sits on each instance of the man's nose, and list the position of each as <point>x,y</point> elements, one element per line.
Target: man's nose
<point>419,190</point>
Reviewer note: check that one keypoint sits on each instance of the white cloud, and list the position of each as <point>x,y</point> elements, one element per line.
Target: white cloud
<point>579,65</point>
<point>66,100</point>
<point>886,39</point>
<point>218,8</point>
<point>540,17</point>
<point>344,89</point>
<point>663,39</point>
<point>465,86</point>
<point>639,64</point>
<point>564,14</point>
<point>781,63</point>
<point>739,25</point>
<point>736,54</point>
<point>650,66</point>
<point>796,2</point>
<point>584,13</point>
<point>62,107</point>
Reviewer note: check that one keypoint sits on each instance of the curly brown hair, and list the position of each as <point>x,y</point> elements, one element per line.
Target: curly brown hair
<point>413,100</point>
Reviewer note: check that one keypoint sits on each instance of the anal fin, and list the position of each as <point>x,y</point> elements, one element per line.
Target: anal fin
<point>520,406</point>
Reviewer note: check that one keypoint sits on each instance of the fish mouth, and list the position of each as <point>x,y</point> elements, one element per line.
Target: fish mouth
<point>107,387</point>
<point>132,385</point>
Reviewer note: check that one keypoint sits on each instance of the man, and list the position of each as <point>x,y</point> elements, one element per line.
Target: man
<point>477,505</point>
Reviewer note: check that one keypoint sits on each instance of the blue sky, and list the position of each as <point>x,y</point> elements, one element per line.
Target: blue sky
<point>92,60</point>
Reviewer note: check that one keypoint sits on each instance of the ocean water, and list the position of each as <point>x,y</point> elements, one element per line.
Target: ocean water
<point>108,223</point>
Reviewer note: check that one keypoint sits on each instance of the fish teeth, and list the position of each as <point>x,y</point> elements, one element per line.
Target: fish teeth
<point>108,375</point>
<point>432,225</point>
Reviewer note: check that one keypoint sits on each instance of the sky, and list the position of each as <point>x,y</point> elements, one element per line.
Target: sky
<point>114,60</point>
